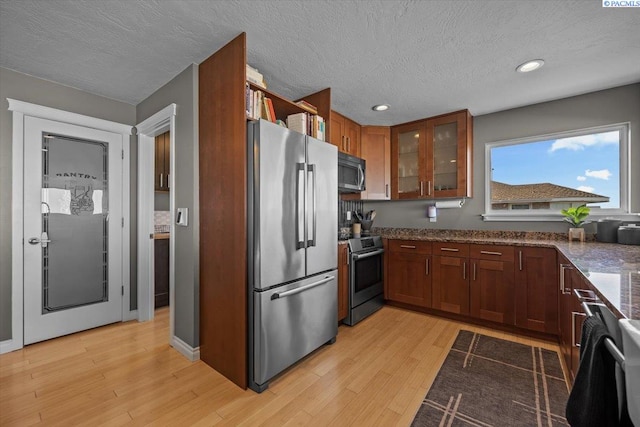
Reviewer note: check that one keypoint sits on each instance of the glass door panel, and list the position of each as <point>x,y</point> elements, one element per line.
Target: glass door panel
<point>409,162</point>
<point>74,208</point>
<point>445,155</point>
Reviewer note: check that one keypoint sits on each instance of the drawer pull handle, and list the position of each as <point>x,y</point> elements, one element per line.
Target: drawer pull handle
<point>573,327</point>
<point>408,246</point>
<point>449,250</point>
<point>491,253</point>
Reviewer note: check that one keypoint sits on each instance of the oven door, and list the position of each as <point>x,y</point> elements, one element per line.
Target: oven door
<point>366,276</point>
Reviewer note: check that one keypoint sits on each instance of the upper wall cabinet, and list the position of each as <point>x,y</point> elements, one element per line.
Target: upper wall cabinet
<point>162,162</point>
<point>375,149</point>
<point>344,134</point>
<point>432,158</point>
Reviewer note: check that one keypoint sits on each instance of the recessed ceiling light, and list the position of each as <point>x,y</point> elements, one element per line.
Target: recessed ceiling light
<point>417,135</point>
<point>380,107</point>
<point>530,66</point>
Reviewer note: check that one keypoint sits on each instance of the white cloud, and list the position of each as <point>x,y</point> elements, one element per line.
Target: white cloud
<point>586,188</point>
<point>576,143</point>
<point>600,174</point>
<point>581,178</point>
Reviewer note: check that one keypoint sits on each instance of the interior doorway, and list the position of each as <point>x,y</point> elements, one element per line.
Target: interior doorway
<point>156,188</point>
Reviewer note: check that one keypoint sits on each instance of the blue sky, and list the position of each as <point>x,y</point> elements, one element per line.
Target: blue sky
<point>589,163</point>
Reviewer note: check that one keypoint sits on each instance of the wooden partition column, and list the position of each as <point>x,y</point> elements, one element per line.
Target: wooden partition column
<point>223,211</point>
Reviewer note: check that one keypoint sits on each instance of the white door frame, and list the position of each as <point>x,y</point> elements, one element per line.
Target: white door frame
<point>161,122</point>
<point>21,109</point>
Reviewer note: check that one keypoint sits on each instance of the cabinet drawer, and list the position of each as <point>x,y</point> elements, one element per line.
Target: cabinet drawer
<point>410,246</point>
<point>492,252</point>
<point>451,249</point>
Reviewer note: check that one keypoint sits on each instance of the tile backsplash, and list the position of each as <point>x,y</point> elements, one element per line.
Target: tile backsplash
<point>162,221</point>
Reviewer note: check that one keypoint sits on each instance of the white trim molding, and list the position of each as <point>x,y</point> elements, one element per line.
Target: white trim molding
<point>547,215</point>
<point>159,123</point>
<point>21,110</point>
<point>185,349</point>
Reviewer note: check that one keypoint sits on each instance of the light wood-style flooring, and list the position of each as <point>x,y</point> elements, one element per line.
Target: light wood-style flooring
<point>377,373</point>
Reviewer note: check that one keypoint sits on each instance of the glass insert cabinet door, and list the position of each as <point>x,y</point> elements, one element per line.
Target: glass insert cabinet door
<point>407,146</point>
<point>75,210</point>
<point>72,228</point>
<point>450,145</point>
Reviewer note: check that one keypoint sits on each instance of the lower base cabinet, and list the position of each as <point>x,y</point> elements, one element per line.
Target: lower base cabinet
<point>409,273</point>
<point>570,316</point>
<point>161,272</point>
<point>510,285</point>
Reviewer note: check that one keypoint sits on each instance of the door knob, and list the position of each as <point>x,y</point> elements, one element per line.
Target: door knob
<point>43,240</point>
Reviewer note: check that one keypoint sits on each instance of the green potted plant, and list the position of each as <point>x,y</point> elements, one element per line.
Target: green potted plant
<point>576,216</point>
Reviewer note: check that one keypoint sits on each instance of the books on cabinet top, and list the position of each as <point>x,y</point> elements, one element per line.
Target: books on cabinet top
<point>308,124</point>
<point>255,77</point>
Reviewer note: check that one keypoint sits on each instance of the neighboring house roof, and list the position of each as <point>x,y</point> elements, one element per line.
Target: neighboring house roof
<point>544,192</point>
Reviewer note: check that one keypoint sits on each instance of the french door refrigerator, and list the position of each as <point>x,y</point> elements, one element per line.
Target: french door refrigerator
<point>292,248</point>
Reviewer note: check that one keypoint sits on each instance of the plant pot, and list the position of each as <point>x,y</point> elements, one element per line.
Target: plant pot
<point>576,234</point>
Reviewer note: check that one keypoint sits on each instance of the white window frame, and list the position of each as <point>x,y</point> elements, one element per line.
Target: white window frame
<point>534,215</point>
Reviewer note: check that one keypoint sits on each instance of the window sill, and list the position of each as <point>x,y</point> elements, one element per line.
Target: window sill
<point>549,217</point>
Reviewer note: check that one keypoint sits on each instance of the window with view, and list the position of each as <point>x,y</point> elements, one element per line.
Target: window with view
<point>546,174</point>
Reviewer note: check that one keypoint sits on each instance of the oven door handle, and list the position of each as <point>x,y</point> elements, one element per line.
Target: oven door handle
<point>357,257</point>
<point>302,288</point>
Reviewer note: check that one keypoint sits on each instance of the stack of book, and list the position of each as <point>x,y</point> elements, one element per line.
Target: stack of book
<point>258,106</point>
<point>255,77</point>
<point>308,124</point>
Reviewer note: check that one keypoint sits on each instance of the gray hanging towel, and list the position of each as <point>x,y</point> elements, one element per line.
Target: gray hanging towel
<point>593,401</point>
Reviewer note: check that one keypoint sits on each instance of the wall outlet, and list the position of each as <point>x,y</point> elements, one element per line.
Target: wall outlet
<point>348,215</point>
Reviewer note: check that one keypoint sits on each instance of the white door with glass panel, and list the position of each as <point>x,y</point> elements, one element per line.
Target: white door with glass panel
<point>72,228</point>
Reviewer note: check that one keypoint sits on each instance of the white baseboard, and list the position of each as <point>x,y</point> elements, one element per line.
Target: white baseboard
<point>185,349</point>
<point>7,346</point>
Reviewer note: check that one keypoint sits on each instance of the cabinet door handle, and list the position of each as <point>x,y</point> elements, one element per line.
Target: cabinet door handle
<point>491,253</point>
<point>464,270</point>
<point>520,260</point>
<point>421,188</point>
<point>160,181</point>
<point>573,327</point>
<point>408,246</point>
<point>428,188</point>
<point>168,180</point>
<point>474,271</point>
<point>563,267</point>
<point>449,250</point>
<point>349,144</point>
<point>386,190</point>
<point>342,145</point>
<point>426,267</point>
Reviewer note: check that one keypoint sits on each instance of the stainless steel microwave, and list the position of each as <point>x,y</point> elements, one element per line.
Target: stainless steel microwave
<point>351,174</point>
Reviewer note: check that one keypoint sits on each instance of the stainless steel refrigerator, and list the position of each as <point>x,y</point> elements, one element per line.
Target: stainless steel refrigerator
<point>292,260</point>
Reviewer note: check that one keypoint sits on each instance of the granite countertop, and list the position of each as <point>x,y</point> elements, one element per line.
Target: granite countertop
<point>612,269</point>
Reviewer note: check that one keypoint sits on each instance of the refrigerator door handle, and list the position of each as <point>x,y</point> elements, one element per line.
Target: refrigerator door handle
<point>302,288</point>
<point>300,206</point>
<point>311,169</point>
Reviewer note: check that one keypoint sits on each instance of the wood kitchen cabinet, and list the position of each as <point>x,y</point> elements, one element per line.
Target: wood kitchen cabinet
<point>536,289</point>
<point>450,277</point>
<point>343,281</point>
<point>344,133</point>
<point>432,158</point>
<point>375,149</point>
<point>491,287</point>
<point>161,272</point>
<point>162,162</point>
<point>570,314</point>
<point>409,272</point>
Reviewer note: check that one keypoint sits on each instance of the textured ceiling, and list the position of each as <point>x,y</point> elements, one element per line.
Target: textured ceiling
<point>421,57</point>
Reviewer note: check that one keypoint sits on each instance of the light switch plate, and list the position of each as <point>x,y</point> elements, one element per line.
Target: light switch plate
<point>182,217</point>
